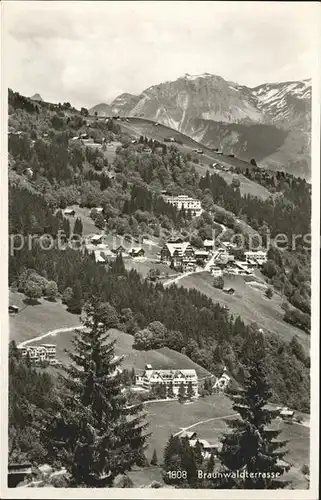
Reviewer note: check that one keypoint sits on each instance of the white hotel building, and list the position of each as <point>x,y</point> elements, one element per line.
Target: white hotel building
<point>38,353</point>
<point>152,377</point>
<point>186,203</point>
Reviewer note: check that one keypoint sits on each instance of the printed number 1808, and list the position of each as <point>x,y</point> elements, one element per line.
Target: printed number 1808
<point>177,474</point>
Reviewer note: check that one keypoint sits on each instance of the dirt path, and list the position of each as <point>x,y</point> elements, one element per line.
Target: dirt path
<point>204,422</point>
<point>181,276</point>
<point>52,333</point>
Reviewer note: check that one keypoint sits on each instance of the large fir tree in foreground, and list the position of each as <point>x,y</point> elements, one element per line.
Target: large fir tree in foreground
<point>252,446</point>
<point>95,434</point>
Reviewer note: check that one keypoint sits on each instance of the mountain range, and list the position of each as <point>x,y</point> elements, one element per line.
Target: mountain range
<point>227,115</point>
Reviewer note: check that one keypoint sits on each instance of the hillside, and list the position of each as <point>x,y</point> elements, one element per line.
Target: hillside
<point>250,303</point>
<point>248,121</point>
<point>34,321</point>
<point>73,160</point>
<point>163,358</point>
<point>140,126</point>
<point>101,109</point>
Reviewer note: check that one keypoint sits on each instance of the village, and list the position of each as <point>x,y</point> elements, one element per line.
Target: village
<point>216,257</point>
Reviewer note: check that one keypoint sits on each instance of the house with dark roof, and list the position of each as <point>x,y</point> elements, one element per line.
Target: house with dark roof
<point>69,211</point>
<point>137,252</point>
<point>178,253</point>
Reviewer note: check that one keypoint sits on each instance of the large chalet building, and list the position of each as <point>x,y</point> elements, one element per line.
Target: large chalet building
<point>152,377</point>
<point>179,253</point>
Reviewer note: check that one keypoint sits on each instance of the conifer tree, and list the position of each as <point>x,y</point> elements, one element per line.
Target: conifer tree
<point>133,376</point>
<point>118,266</point>
<point>66,227</point>
<point>210,464</point>
<point>170,391</point>
<point>189,461</point>
<point>78,228</point>
<point>154,460</point>
<point>172,459</point>
<point>75,301</point>
<point>252,445</point>
<point>190,391</point>
<point>181,393</point>
<point>95,435</point>
<point>198,453</point>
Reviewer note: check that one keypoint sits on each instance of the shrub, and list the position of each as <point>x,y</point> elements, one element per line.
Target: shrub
<point>305,470</point>
<point>218,282</point>
<point>51,290</point>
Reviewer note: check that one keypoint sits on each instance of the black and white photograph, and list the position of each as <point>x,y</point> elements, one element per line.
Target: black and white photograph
<point>160,186</point>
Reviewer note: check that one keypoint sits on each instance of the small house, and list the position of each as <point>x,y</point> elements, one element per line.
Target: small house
<point>208,245</point>
<point>207,448</point>
<point>190,266</point>
<point>13,309</point>
<point>216,271</point>
<point>17,473</point>
<point>69,212</point>
<point>137,252</point>
<point>102,256</point>
<point>96,239</point>
<point>201,254</point>
<point>286,414</point>
<point>28,172</point>
<point>223,382</point>
<point>99,259</point>
<point>120,250</point>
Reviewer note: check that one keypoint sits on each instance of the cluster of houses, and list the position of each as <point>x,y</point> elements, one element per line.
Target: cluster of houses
<point>186,203</point>
<point>40,353</point>
<point>181,254</point>
<point>86,139</point>
<point>103,254</point>
<point>222,168</point>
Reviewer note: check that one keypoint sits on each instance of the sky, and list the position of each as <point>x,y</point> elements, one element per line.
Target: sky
<point>90,52</point>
